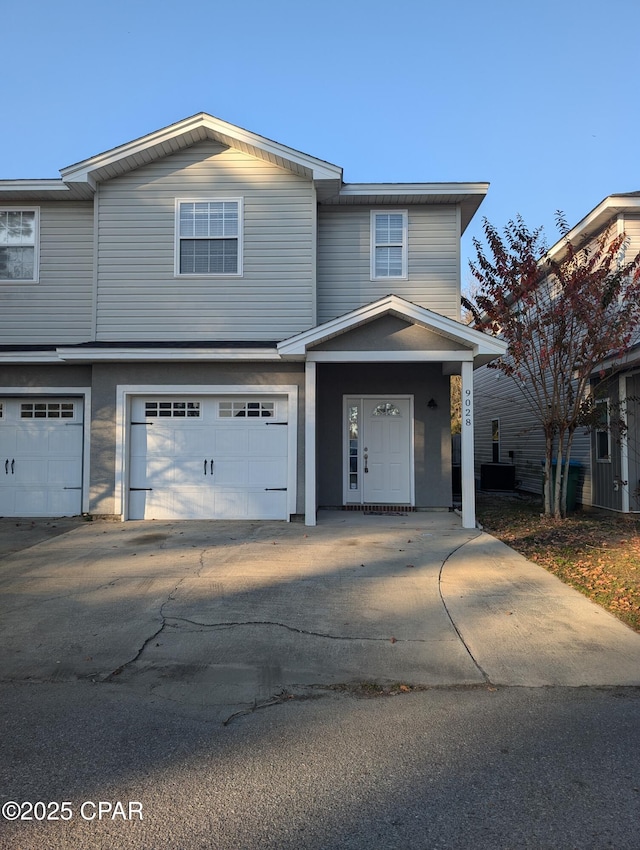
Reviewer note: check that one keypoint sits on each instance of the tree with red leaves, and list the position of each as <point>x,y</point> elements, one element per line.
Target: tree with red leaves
<point>563,314</point>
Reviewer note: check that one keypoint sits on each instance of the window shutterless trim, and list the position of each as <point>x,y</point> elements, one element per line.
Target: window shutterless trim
<point>603,432</point>
<point>404,245</point>
<point>36,244</point>
<point>179,238</point>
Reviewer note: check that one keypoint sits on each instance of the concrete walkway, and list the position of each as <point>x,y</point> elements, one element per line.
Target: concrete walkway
<point>232,614</point>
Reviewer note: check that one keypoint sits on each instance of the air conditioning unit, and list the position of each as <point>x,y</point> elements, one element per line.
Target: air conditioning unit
<point>497,476</point>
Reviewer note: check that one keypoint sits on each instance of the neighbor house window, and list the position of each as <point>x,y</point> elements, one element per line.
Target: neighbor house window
<point>19,244</point>
<point>495,440</point>
<point>209,237</point>
<point>603,431</point>
<point>388,244</point>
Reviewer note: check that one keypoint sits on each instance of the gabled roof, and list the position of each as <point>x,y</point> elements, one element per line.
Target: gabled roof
<point>482,346</point>
<point>595,220</point>
<point>190,131</point>
<point>79,180</point>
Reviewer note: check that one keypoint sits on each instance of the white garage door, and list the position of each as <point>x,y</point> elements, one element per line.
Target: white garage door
<point>208,458</point>
<point>40,457</point>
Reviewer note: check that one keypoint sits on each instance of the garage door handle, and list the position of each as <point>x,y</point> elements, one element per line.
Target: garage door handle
<point>205,467</point>
<point>211,462</point>
<point>6,466</point>
<point>13,463</point>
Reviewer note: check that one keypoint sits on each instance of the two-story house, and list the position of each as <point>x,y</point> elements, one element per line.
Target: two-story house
<point>204,323</point>
<point>508,435</point>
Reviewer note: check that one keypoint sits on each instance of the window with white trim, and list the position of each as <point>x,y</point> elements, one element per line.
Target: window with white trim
<point>389,244</point>
<point>495,440</point>
<point>603,431</point>
<point>209,237</point>
<point>19,244</point>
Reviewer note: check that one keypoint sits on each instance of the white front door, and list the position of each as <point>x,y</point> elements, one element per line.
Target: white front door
<point>41,456</point>
<point>379,450</point>
<point>208,458</point>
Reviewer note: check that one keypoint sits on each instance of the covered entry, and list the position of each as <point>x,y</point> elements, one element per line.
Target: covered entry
<point>395,353</point>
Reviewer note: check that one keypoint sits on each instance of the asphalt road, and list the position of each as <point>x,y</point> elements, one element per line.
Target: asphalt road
<point>470,767</point>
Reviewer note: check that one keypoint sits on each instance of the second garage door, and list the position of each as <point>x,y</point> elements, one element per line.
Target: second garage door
<point>208,458</point>
<point>41,444</point>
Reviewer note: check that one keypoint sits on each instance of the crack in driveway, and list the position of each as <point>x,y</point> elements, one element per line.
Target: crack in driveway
<point>482,672</point>
<point>232,624</point>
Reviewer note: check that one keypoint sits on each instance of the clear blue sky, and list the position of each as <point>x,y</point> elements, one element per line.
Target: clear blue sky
<point>541,99</point>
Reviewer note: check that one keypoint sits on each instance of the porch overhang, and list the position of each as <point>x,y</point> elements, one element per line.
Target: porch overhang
<point>460,343</point>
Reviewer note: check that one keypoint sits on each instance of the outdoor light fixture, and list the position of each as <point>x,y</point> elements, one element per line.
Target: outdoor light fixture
<point>432,404</point>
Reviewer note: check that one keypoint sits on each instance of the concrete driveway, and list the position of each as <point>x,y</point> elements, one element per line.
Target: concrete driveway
<point>234,615</point>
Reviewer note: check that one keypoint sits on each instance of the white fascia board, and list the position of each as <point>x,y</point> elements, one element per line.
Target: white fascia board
<point>596,219</point>
<point>481,343</point>
<point>105,355</point>
<point>227,133</point>
<point>45,186</point>
<point>388,356</point>
<point>355,190</point>
<point>624,361</point>
<point>49,357</point>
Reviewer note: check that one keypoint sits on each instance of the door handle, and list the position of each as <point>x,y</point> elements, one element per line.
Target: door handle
<point>211,462</point>
<point>205,466</point>
<point>6,466</point>
<point>366,460</point>
<point>13,463</point>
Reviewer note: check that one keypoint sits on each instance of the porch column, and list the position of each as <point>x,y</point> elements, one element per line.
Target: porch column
<point>467,450</point>
<point>310,507</point>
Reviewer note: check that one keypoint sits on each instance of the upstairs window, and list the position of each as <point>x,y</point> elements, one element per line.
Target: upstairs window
<point>209,237</point>
<point>388,245</point>
<point>19,244</point>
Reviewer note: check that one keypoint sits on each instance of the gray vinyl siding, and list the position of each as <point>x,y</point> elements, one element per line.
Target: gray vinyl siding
<point>632,229</point>
<point>139,298</point>
<point>58,308</point>
<point>496,396</point>
<point>344,261</point>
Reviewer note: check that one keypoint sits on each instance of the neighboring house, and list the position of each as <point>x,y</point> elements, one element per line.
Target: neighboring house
<point>204,323</point>
<point>509,445</point>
